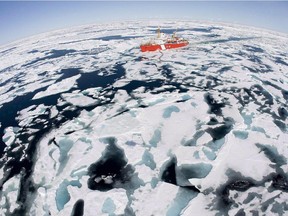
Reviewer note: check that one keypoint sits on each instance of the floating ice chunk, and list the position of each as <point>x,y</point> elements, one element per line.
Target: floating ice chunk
<point>163,89</point>
<point>9,135</point>
<point>108,206</point>
<point>149,99</point>
<point>31,110</point>
<point>25,114</point>
<point>78,99</point>
<point>121,96</point>
<point>10,191</point>
<point>58,87</point>
<point>107,179</point>
<point>121,83</point>
<point>53,112</point>
<point>94,92</point>
<point>169,110</point>
<point>41,199</point>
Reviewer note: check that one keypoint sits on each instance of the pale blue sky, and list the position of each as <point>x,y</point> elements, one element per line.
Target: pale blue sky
<point>22,19</point>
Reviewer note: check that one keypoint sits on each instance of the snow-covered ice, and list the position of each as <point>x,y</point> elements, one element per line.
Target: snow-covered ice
<point>92,126</point>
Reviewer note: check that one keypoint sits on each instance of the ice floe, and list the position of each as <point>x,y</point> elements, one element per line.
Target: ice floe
<point>92,126</point>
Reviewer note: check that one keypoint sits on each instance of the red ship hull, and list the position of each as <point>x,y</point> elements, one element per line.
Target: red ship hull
<point>155,47</point>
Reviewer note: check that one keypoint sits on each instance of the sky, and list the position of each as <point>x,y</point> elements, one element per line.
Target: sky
<point>20,19</point>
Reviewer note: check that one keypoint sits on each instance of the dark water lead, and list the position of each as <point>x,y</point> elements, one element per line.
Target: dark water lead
<point>112,170</point>
<point>224,69</point>
<point>180,176</point>
<point>241,212</point>
<point>22,161</point>
<point>253,49</point>
<point>7,50</point>
<point>283,113</point>
<point>222,130</point>
<point>117,37</point>
<point>272,154</point>
<point>237,182</point>
<point>280,182</point>
<point>149,85</point>
<point>279,60</point>
<point>166,71</point>
<point>285,94</point>
<point>78,208</point>
<point>172,30</point>
<point>230,39</point>
<point>212,35</point>
<point>9,111</point>
<point>215,106</point>
<point>51,55</point>
<point>167,30</point>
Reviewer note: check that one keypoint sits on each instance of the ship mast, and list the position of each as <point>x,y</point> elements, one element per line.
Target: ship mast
<point>158,32</point>
<point>174,33</point>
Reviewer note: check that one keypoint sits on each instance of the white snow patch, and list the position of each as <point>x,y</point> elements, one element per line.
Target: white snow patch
<point>58,87</point>
<point>78,99</point>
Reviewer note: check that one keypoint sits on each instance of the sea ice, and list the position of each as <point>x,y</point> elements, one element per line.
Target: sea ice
<point>58,87</point>
<point>92,126</point>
